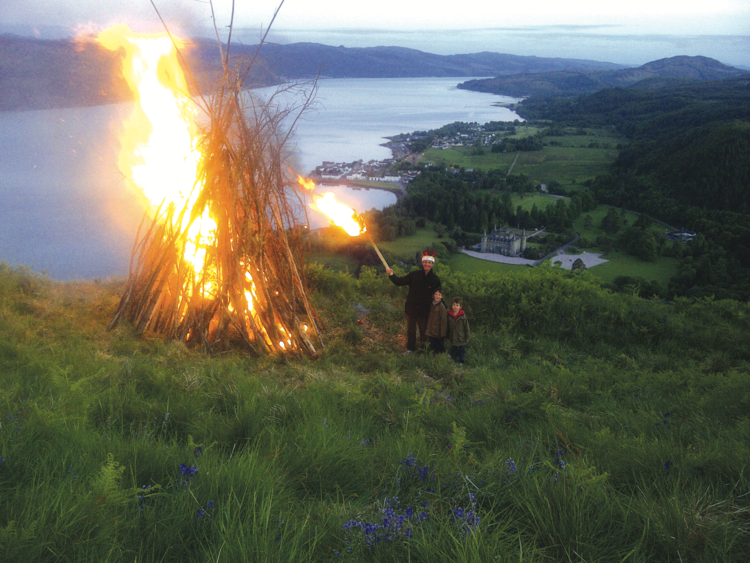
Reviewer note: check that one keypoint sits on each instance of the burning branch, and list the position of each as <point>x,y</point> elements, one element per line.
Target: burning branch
<point>341,215</point>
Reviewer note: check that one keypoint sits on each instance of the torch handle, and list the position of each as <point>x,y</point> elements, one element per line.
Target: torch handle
<point>372,242</point>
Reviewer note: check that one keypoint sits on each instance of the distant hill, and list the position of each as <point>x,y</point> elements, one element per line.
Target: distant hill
<point>37,74</point>
<point>307,59</point>
<point>653,75</point>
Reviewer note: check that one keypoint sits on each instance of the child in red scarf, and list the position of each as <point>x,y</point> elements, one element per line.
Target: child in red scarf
<point>458,330</point>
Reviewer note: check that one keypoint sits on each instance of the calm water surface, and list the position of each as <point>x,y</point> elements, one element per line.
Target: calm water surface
<point>65,208</point>
<point>351,118</point>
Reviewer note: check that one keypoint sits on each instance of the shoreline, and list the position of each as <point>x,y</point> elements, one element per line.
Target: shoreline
<point>396,189</point>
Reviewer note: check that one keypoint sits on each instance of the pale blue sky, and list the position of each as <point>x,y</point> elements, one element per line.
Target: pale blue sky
<point>682,17</point>
<point>717,28</point>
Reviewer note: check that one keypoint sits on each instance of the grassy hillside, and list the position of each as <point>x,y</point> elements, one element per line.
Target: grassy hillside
<point>585,425</point>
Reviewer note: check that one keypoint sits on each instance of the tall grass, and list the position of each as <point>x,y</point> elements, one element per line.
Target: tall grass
<point>546,446</point>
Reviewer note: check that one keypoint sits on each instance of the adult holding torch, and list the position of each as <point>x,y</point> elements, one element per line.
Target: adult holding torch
<point>422,285</point>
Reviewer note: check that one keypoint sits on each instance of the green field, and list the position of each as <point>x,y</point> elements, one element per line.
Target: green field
<point>522,130</point>
<point>618,265</point>
<point>405,248</point>
<point>597,215</point>
<point>527,201</point>
<point>468,265</point>
<point>623,265</point>
<point>564,164</point>
<point>571,162</point>
<point>461,157</point>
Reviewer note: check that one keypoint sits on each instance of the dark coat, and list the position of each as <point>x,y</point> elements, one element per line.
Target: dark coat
<point>458,328</point>
<point>437,322</point>
<point>421,288</point>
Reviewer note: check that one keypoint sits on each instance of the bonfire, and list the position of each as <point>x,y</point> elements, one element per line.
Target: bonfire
<point>218,260</point>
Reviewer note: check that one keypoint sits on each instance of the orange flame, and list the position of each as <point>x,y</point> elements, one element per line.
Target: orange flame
<point>306,183</point>
<point>341,215</point>
<point>160,155</point>
<point>159,143</point>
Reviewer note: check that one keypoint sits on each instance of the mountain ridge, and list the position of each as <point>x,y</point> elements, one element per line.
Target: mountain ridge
<point>567,83</point>
<point>43,74</point>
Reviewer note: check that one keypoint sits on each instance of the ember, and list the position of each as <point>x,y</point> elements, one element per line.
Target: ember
<point>219,261</point>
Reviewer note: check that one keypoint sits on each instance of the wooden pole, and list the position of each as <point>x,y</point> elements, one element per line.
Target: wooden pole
<point>372,242</point>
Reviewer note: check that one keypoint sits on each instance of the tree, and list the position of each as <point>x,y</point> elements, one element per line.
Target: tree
<point>643,222</point>
<point>612,221</point>
<point>639,243</point>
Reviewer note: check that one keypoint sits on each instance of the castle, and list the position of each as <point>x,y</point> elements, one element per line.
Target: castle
<point>504,242</point>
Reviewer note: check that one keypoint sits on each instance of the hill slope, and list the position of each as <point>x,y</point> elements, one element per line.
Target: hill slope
<point>584,425</point>
<point>687,165</point>
<point>569,82</point>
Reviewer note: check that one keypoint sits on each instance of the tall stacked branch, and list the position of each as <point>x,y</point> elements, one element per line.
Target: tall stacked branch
<point>249,286</point>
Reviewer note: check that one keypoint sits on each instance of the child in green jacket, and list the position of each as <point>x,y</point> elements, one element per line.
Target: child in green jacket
<point>437,323</point>
<point>458,330</point>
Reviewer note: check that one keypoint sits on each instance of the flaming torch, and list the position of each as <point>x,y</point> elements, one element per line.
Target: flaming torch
<point>340,215</point>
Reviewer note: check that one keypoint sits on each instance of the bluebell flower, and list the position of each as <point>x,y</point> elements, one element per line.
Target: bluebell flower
<point>409,461</point>
<point>511,465</point>
<point>188,472</point>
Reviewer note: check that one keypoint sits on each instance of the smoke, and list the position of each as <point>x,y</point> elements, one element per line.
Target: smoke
<point>182,17</point>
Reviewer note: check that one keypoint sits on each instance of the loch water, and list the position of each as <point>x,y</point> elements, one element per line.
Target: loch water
<point>68,211</point>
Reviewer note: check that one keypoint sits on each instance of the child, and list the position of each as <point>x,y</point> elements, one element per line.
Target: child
<point>437,323</point>
<point>458,330</point>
